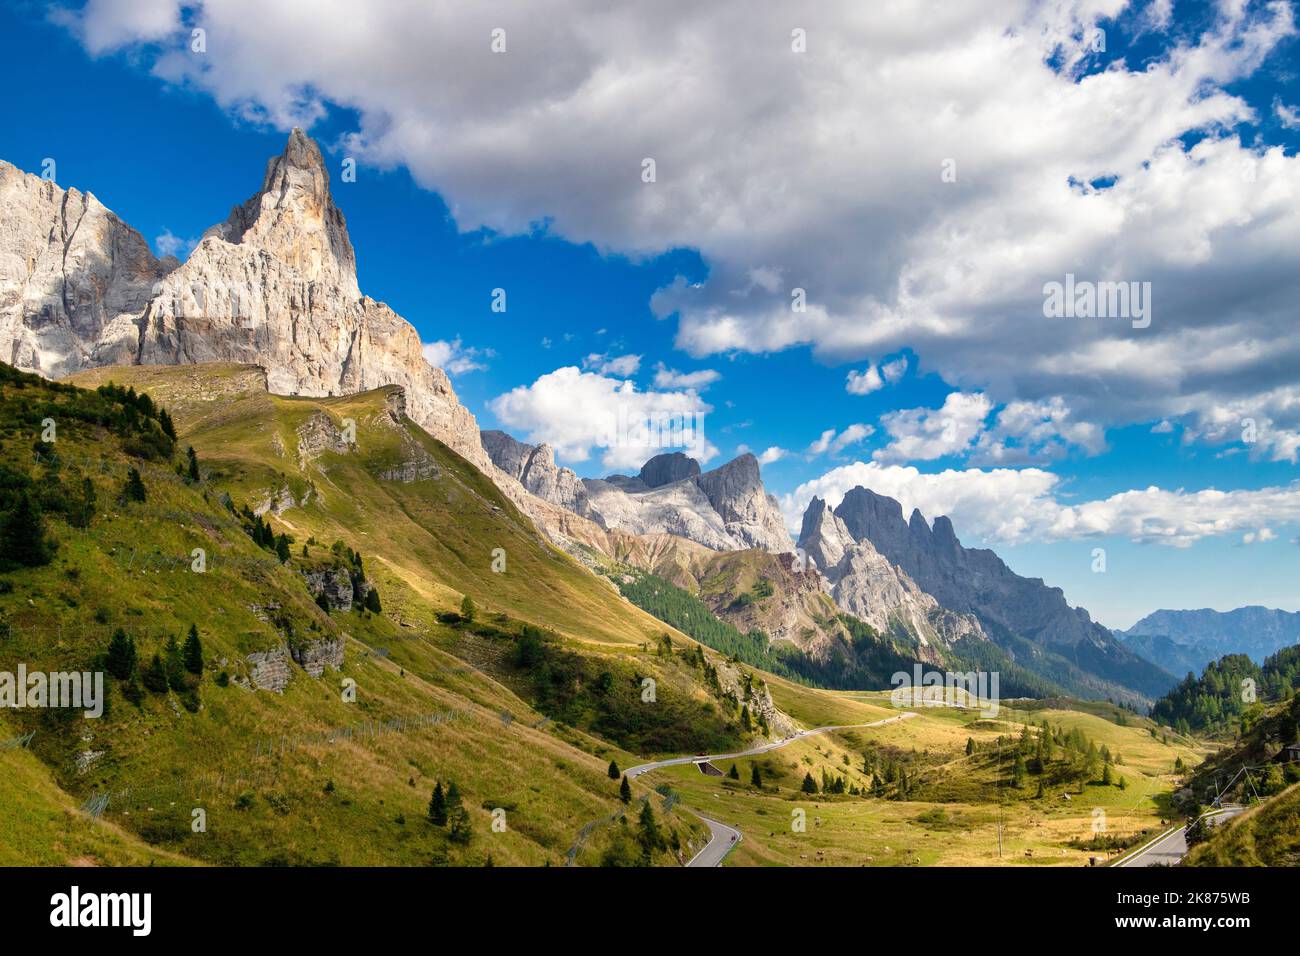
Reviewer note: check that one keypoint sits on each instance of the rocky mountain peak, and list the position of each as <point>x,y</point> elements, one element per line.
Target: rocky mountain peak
<point>293,217</point>
<point>943,534</point>
<point>667,468</point>
<point>875,517</point>
<point>823,536</point>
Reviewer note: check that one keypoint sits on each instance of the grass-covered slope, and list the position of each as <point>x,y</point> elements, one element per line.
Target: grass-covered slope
<point>1266,835</point>
<point>331,769</point>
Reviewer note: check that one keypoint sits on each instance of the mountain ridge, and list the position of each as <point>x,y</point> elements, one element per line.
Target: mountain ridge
<point>1023,615</point>
<point>1187,640</point>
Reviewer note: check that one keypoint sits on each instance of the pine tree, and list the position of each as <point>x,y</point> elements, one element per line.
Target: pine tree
<point>733,773</point>
<point>174,662</point>
<point>23,539</point>
<point>193,652</point>
<point>1018,771</point>
<point>651,839</point>
<point>1106,777</point>
<point>121,655</point>
<point>192,468</point>
<point>745,723</point>
<point>809,784</point>
<point>614,773</point>
<point>372,601</point>
<point>165,420</point>
<point>81,509</point>
<point>625,791</point>
<point>458,821</point>
<point>438,806</point>
<point>970,746</point>
<point>755,778</point>
<point>134,489</point>
<point>154,676</point>
<point>468,608</point>
<point>282,548</point>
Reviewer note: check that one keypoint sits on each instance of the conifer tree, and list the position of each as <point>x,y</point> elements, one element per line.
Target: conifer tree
<point>755,778</point>
<point>733,773</point>
<point>134,489</point>
<point>23,539</point>
<point>192,467</point>
<point>468,609</point>
<point>970,746</point>
<point>372,601</point>
<point>625,791</point>
<point>614,773</point>
<point>809,784</point>
<point>458,821</point>
<point>174,664</point>
<point>193,651</point>
<point>438,806</point>
<point>121,655</point>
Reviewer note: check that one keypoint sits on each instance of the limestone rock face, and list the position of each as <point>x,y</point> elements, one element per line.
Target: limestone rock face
<point>823,537</point>
<point>534,467</point>
<point>750,514</point>
<point>665,469</point>
<point>269,670</point>
<point>864,583</point>
<point>74,279</point>
<point>314,656</point>
<point>273,285</point>
<point>726,509</point>
<point>335,584</point>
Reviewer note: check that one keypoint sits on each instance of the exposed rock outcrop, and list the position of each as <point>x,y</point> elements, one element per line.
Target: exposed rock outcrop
<point>335,584</point>
<point>269,670</point>
<point>314,656</point>
<point>867,585</point>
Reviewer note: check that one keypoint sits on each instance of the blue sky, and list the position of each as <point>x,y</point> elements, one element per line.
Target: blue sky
<point>171,149</point>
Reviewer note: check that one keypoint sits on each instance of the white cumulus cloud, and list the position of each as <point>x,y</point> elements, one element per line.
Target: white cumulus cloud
<point>578,412</point>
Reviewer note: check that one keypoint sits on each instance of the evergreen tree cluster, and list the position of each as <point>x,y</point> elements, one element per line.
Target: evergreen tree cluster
<point>177,667</point>
<point>447,809</point>
<point>1217,700</point>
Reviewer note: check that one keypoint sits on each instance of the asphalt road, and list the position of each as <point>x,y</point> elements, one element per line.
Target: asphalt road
<point>1172,847</point>
<point>722,837</point>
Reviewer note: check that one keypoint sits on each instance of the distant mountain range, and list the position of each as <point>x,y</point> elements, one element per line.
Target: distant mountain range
<point>1183,641</point>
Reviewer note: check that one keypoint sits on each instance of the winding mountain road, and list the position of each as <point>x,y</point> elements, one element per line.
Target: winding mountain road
<point>723,837</point>
<point>1170,848</point>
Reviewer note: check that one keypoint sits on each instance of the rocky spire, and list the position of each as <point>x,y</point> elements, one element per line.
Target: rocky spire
<point>293,217</point>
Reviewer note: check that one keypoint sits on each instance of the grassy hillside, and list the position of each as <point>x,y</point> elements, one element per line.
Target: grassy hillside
<point>309,774</point>
<point>1266,835</point>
